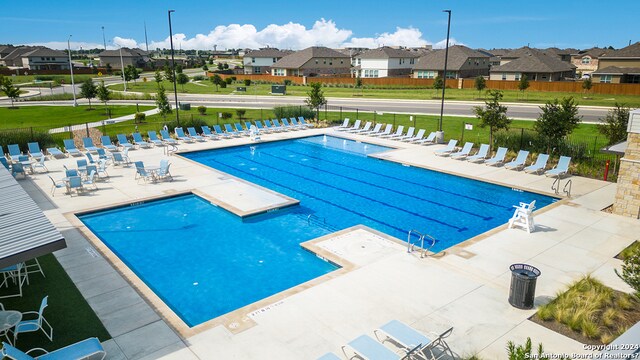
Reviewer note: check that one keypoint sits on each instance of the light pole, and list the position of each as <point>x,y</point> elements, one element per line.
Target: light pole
<point>104,40</point>
<point>440,133</point>
<point>173,68</point>
<point>124,79</point>
<point>73,85</point>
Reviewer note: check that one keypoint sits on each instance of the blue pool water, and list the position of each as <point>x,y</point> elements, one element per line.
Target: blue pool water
<point>204,261</point>
<point>336,180</point>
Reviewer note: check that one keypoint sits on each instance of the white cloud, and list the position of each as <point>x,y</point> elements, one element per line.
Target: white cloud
<point>410,37</point>
<point>122,42</point>
<point>441,44</point>
<point>62,45</point>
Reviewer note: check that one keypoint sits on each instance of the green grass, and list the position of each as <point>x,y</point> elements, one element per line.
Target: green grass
<point>20,79</point>
<point>68,313</point>
<point>47,117</point>
<point>629,250</point>
<point>535,97</point>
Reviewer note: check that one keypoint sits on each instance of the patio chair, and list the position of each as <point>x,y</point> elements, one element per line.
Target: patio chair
<point>365,128</point>
<point>261,127</point>
<point>18,169</point>
<point>408,135</point>
<point>142,173</point>
<point>409,338</point>
<point>366,347</point>
<point>248,125</point>
<point>416,137</point>
<point>355,127</point>
<point>14,151</point>
<point>55,152</point>
<point>279,126</point>
<point>285,125</point>
<point>541,163</point>
<point>81,165</point>
<point>229,130</point>
<point>518,162</point>
<point>272,127</point>
<point>447,150</point>
<point>138,140</point>
<point>40,165</point>
<point>206,132</point>
<point>561,169</point>
<point>429,140</point>
<point>376,129</point>
<point>466,149</point>
<point>167,139</point>
<point>344,126</point>
<point>87,142</point>
<point>181,136</point>
<point>304,122</point>
<point>85,349</point>
<point>194,135</point>
<point>70,172</point>
<point>163,172</point>
<point>481,155</point>
<point>220,133</point>
<point>102,168</point>
<point>120,159</point>
<point>294,122</point>
<point>123,141</point>
<point>16,273</point>
<point>32,325</point>
<point>4,162</point>
<point>90,158</point>
<point>102,155</point>
<point>387,131</point>
<point>498,158</point>
<point>329,356</point>
<point>75,182</point>
<point>398,133</point>
<point>70,148</point>
<point>56,185</point>
<point>241,130</point>
<point>107,144</point>
<point>34,150</point>
<point>153,138</point>
<point>90,180</point>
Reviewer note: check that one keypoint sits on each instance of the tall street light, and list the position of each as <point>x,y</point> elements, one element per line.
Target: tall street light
<point>440,133</point>
<point>124,79</point>
<point>104,40</point>
<point>73,85</point>
<point>173,68</point>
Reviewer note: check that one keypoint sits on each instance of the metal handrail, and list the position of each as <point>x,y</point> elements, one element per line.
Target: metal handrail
<point>554,187</point>
<point>170,148</point>
<point>421,238</point>
<point>410,245</point>
<point>564,190</point>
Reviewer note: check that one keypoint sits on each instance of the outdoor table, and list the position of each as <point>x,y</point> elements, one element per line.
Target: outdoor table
<point>153,170</point>
<point>9,319</point>
<point>28,164</point>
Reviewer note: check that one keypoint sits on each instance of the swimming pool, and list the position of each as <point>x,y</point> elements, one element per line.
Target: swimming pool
<point>203,261</point>
<point>336,181</point>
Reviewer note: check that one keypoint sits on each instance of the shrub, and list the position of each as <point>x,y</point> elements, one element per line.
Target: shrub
<point>522,352</point>
<point>289,111</point>
<point>233,78</point>
<point>202,110</point>
<point>247,82</point>
<point>228,80</point>
<point>287,82</point>
<point>223,85</point>
<point>24,136</point>
<point>139,117</point>
<point>199,77</point>
<point>226,115</point>
<point>630,272</point>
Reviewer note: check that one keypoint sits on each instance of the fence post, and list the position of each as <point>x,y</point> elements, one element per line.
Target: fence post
<point>340,112</point>
<point>325,111</point>
<point>463,126</point>
<point>86,125</point>
<point>31,128</point>
<point>357,116</point>
<point>71,131</point>
<point>521,137</point>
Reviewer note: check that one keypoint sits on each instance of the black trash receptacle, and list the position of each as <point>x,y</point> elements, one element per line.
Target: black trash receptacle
<point>185,106</point>
<point>523,285</point>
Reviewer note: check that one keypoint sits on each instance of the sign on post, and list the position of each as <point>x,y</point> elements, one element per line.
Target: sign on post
<point>468,126</point>
<point>279,89</point>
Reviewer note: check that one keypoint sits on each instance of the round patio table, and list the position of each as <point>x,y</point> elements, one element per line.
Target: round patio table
<point>9,319</point>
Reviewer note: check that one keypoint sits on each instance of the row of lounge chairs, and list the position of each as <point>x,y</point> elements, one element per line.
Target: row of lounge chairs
<point>518,163</point>
<point>399,135</point>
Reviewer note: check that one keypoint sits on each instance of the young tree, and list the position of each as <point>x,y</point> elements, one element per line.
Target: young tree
<point>216,80</point>
<point>168,73</point>
<point>480,84</point>
<point>557,120</point>
<point>103,94</point>
<point>131,73</point>
<point>220,66</point>
<point>523,84</point>
<point>587,84</point>
<point>182,79</point>
<point>164,107</point>
<point>241,113</point>
<point>205,67</point>
<point>438,84</point>
<point>109,68</point>
<point>247,82</point>
<point>88,90</point>
<point>12,92</point>
<point>493,114</point>
<point>631,271</point>
<point>315,98</point>
<point>225,66</point>
<point>178,69</point>
<point>614,125</point>
<point>158,77</point>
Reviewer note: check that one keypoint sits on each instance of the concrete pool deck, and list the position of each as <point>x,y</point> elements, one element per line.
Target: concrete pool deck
<point>465,287</point>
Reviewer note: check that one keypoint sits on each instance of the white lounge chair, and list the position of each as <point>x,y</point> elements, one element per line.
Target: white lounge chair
<point>518,162</point>
<point>85,349</point>
<point>344,126</point>
<point>366,128</point>
<point>366,347</point>
<point>416,137</point>
<point>387,131</point>
<point>428,140</point>
<point>451,146</point>
<point>408,135</point>
<point>355,127</point>
<point>409,338</point>
<point>498,158</point>
<point>34,150</point>
<point>561,169</point>
<point>466,149</point>
<point>481,155</point>
<point>375,130</point>
<point>398,133</point>
<point>541,163</point>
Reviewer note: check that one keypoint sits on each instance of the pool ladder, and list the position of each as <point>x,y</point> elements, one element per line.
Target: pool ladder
<point>170,149</point>
<point>566,189</point>
<point>420,239</point>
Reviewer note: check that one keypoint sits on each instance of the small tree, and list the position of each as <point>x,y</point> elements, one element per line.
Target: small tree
<point>480,84</point>
<point>223,84</point>
<point>164,107</point>
<point>131,73</point>
<point>523,84</point>
<point>438,84</point>
<point>315,98</point>
<point>226,116</point>
<point>247,82</point>
<point>228,80</point>
<point>241,113</point>
<point>631,271</point>
<point>217,80</point>
<point>109,68</point>
<point>614,125</point>
<point>103,94</point>
<point>158,77</point>
<point>493,114</point>
<point>12,92</point>
<point>178,69</point>
<point>182,79</point>
<point>587,84</point>
<point>220,67</point>
<point>557,120</point>
<point>88,90</point>
<point>205,67</point>
<point>139,117</point>
<point>202,110</point>
<point>225,66</point>
<point>168,73</point>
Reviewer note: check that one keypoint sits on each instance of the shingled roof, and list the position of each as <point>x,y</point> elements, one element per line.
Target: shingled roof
<point>458,56</point>
<point>616,70</point>
<point>268,53</point>
<point>43,51</point>
<point>386,52</point>
<point>631,51</point>
<point>299,58</point>
<point>532,60</point>
<point>126,52</point>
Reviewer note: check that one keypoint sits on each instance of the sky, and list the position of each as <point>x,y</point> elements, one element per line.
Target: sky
<point>334,23</point>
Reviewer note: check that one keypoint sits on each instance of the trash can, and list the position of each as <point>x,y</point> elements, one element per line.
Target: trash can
<point>185,106</point>
<point>523,285</point>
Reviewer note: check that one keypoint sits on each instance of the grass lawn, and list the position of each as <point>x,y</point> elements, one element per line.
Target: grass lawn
<point>537,97</point>
<point>68,313</point>
<point>20,79</point>
<point>46,117</point>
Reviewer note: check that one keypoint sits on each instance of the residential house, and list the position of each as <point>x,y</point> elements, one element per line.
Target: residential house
<point>260,61</point>
<point>136,57</point>
<point>462,62</point>
<point>43,58</point>
<point>586,61</point>
<point>620,66</point>
<point>560,54</point>
<point>313,61</point>
<point>384,62</point>
<point>4,51</point>
<point>533,63</point>
<point>496,55</point>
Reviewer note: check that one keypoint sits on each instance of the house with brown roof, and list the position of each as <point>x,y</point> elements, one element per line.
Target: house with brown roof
<point>260,61</point>
<point>462,62</point>
<point>313,61</point>
<point>136,57</point>
<point>620,66</point>
<point>533,63</point>
<point>35,58</point>
<point>586,61</point>
<point>383,62</point>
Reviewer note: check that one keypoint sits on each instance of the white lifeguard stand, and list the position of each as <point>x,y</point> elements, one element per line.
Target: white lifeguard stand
<point>523,217</point>
<point>254,133</point>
